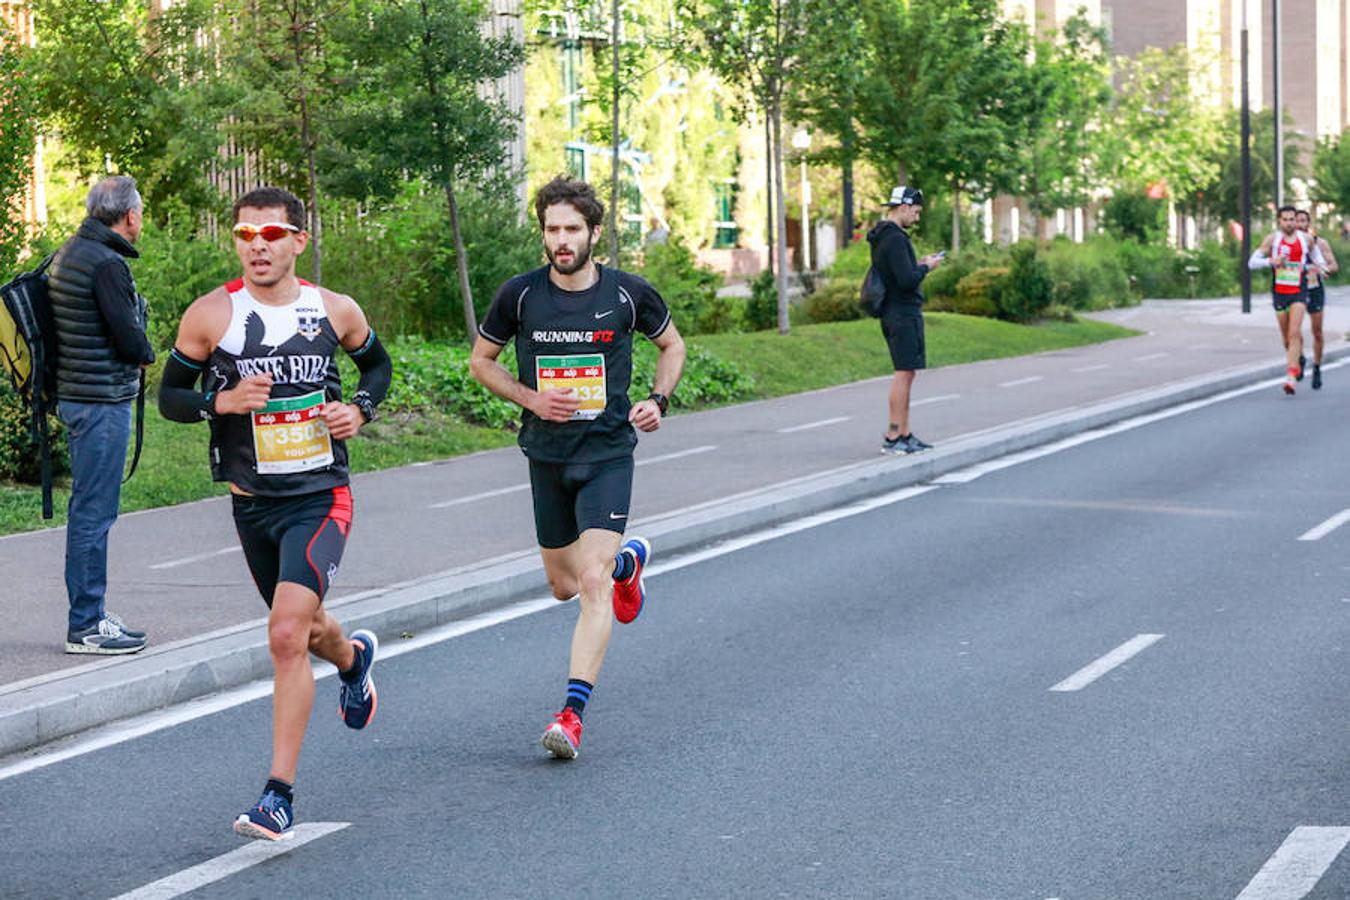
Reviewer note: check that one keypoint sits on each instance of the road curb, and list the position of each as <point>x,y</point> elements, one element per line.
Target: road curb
<point>39,710</point>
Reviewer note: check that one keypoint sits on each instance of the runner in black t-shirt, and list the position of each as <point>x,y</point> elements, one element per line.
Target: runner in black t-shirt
<point>573,322</point>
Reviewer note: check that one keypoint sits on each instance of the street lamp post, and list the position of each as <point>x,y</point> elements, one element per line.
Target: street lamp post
<point>1246,171</point>
<point>801,140</point>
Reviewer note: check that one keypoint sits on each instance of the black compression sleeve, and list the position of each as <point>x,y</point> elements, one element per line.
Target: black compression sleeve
<point>179,399</point>
<point>377,369</point>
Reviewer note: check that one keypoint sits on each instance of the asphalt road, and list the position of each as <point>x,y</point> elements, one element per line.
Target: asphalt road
<point>865,708</point>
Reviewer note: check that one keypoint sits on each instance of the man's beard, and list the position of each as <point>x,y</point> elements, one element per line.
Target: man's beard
<point>580,257</point>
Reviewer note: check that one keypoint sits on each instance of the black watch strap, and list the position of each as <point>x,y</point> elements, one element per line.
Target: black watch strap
<point>361,400</point>
<point>661,400</point>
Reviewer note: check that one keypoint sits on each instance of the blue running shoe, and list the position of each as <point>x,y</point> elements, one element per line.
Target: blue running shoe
<point>269,820</point>
<point>630,595</point>
<point>356,699</point>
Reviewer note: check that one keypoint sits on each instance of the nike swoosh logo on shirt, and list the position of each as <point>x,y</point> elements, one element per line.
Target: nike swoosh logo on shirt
<point>613,516</point>
<point>603,314</point>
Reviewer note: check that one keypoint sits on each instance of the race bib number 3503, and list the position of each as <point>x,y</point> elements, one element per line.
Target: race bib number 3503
<point>290,435</point>
<point>585,375</point>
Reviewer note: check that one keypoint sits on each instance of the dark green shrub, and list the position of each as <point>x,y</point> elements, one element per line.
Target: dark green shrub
<point>976,293</point>
<point>1027,290</point>
<point>1088,275</point>
<point>1138,217</point>
<point>707,378</point>
<point>852,262</point>
<point>18,455</point>
<point>837,300</point>
<point>689,289</point>
<point>761,311</point>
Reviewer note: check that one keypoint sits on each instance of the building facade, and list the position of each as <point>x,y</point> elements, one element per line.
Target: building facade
<point>18,19</point>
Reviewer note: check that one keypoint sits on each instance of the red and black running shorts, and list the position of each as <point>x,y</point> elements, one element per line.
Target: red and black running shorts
<point>298,539</point>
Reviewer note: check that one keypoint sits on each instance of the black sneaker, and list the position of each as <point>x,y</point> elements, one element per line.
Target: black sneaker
<point>1317,378</point>
<point>895,444</point>
<point>117,620</point>
<point>1302,361</point>
<point>103,637</point>
<point>357,698</point>
<point>918,445</point>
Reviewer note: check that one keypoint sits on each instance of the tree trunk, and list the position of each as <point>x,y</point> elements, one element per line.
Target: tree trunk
<point>461,263</point>
<point>781,211</point>
<point>956,221</point>
<point>614,146</point>
<point>848,187</point>
<point>307,139</point>
<point>768,187</point>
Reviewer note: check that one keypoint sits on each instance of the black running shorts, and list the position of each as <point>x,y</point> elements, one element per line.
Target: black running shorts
<point>297,539</point>
<point>1282,302</point>
<point>1317,299</point>
<point>572,497</point>
<point>904,337</point>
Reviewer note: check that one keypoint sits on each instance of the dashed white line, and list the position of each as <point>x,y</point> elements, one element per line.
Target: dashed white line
<point>227,864</point>
<point>1122,654</point>
<point>1151,356</point>
<point>192,559</point>
<point>809,425</point>
<point>1327,527</point>
<point>938,399</point>
<point>1020,381</point>
<point>1096,368</point>
<point>1298,865</point>
<point>707,448</point>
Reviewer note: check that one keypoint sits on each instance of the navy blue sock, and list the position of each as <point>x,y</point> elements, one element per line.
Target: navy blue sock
<point>578,692</point>
<point>281,787</point>
<point>624,564</point>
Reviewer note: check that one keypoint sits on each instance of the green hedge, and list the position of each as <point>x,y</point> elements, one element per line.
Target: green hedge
<point>18,454</point>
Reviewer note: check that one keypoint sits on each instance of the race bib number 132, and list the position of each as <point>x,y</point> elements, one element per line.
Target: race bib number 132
<point>583,374</point>
<point>290,435</point>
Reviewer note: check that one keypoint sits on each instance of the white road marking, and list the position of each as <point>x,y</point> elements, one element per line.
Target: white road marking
<point>1020,381</point>
<point>149,723</point>
<point>938,399</point>
<point>707,448</point>
<point>198,558</point>
<point>1298,865</point>
<point>1091,672</point>
<point>1151,356</point>
<point>525,487</point>
<point>227,864</point>
<point>483,496</point>
<point>1096,368</point>
<point>809,425</point>
<point>1327,527</point>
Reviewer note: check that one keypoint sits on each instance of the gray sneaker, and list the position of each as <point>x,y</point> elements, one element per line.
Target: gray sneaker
<point>117,620</point>
<point>103,637</point>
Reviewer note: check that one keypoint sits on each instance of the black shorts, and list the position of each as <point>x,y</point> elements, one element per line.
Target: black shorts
<point>904,337</point>
<point>1282,302</point>
<point>1317,299</point>
<point>572,497</point>
<point>297,539</point>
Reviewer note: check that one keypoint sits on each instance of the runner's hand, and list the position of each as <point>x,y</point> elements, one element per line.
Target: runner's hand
<point>344,420</point>
<point>555,405</point>
<point>249,395</point>
<point>645,415</point>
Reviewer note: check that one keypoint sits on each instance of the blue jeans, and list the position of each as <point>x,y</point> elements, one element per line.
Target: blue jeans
<point>98,434</point>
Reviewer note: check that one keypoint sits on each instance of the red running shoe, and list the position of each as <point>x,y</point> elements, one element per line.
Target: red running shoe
<point>563,737</point>
<point>631,594</point>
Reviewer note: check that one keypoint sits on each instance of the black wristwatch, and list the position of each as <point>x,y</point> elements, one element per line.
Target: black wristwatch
<point>661,400</point>
<point>361,400</point>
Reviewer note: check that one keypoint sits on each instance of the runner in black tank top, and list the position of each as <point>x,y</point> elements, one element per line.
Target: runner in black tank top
<point>573,323</point>
<point>262,348</point>
<point>1317,293</point>
<point>1288,253</point>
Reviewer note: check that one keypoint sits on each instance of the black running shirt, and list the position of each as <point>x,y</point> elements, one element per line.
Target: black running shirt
<point>578,340</point>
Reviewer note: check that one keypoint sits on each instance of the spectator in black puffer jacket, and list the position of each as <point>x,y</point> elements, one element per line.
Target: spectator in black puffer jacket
<point>902,311</point>
<point>101,346</point>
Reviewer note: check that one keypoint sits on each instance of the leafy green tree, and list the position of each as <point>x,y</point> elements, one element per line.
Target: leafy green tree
<point>134,90</point>
<point>1221,198</point>
<point>412,104</point>
<point>1070,91</point>
<point>756,45</point>
<point>1331,171</point>
<point>18,138</point>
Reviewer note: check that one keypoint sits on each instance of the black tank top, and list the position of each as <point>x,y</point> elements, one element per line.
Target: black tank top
<point>285,449</point>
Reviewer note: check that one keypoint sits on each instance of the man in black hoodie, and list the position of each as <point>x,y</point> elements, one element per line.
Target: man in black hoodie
<point>902,310</point>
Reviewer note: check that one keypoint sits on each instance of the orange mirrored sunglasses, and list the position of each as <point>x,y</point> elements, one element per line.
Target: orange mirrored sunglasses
<point>270,231</point>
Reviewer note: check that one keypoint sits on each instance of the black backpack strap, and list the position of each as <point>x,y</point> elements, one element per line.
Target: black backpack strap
<point>41,434</point>
<point>140,428</point>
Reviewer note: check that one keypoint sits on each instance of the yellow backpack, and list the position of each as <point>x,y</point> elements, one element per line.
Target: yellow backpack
<point>28,357</point>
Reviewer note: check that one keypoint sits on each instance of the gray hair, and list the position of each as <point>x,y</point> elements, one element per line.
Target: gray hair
<point>112,198</point>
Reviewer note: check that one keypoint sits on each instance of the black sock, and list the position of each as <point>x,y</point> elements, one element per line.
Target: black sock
<point>282,788</point>
<point>624,564</point>
<point>350,675</point>
<point>578,692</point>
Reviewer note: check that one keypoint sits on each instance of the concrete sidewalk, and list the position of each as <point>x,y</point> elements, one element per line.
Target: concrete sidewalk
<point>433,543</point>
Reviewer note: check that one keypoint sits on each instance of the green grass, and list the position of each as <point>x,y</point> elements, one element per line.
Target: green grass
<point>174,467</point>
<point>816,356</point>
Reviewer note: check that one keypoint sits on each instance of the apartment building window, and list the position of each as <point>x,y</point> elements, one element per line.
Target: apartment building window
<point>571,79</point>
<point>724,199</point>
<point>574,157</point>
